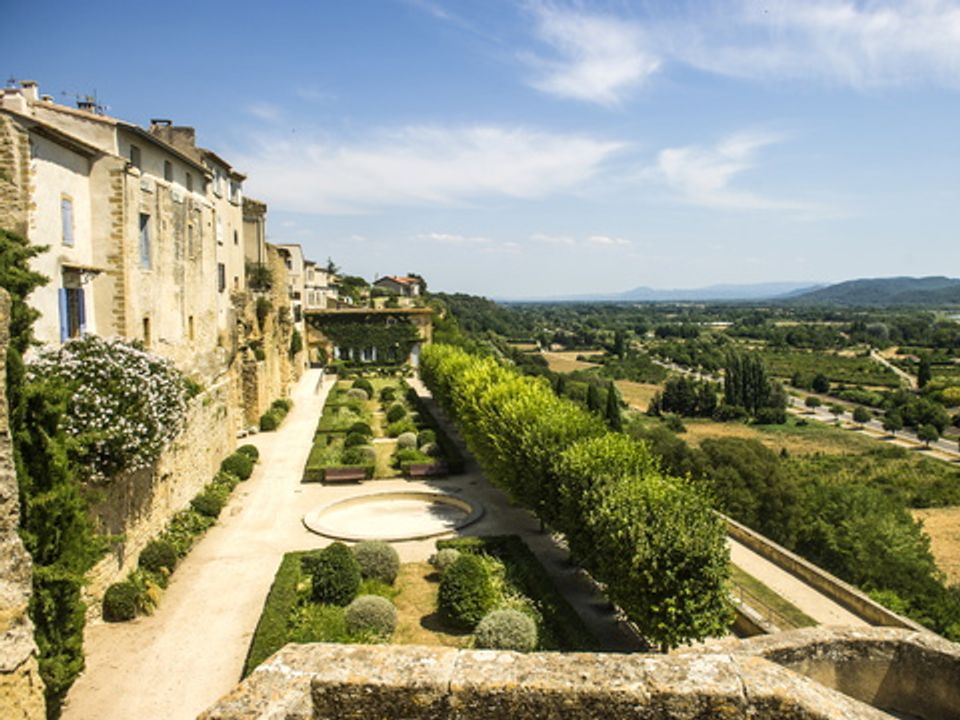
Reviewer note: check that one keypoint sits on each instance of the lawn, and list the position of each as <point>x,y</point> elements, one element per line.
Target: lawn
<point>765,601</point>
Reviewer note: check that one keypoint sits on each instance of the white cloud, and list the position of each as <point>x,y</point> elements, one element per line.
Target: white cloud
<point>703,175</point>
<point>596,58</point>
<point>453,239</point>
<point>419,166</point>
<point>264,111</point>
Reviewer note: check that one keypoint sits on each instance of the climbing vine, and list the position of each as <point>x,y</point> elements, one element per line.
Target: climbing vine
<point>391,341</point>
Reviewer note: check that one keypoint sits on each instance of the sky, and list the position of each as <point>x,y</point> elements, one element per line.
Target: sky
<point>534,148</point>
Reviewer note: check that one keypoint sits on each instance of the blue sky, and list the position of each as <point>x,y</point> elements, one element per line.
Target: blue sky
<point>536,148</point>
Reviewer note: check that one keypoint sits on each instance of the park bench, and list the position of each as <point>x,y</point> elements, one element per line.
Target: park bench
<point>426,469</point>
<point>344,474</point>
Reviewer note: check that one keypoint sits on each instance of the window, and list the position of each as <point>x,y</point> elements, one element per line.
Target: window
<point>168,171</point>
<point>66,220</point>
<point>135,156</point>
<point>221,277</point>
<point>146,332</point>
<point>236,282</point>
<point>189,182</point>
<point>190,248</point>
<point>190,327</point>
<point>72,313</point>
<point>236,238</point>
<point>144,241</point>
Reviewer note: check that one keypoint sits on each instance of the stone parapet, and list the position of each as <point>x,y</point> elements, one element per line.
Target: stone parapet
<point>824,674</point>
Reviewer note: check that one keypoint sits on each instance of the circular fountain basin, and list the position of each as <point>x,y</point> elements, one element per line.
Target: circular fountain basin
<point>393,516</point>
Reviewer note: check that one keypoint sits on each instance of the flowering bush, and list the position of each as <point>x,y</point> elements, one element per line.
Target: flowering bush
<point>125,406</point>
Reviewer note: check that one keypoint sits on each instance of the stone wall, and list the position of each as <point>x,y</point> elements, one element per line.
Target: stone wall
<point>14,177</point>
<point>139,505</point>
<point>736,679</point>
<point>21,689</point>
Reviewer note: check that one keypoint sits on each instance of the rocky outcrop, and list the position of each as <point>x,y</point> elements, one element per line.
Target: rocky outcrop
<point>21,689</point>
<point>822,674</point>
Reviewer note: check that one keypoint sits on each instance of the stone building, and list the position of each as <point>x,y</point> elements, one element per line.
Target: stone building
<point>320,291</point>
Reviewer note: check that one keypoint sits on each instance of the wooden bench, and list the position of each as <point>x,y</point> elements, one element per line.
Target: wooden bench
<point>426,469</point>
<point>344,474</point>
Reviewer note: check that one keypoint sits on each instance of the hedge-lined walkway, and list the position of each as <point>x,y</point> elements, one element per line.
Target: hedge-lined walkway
<point>178,661</point>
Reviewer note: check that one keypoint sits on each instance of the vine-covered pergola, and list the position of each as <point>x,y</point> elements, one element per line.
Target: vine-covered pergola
<point>369,336</point>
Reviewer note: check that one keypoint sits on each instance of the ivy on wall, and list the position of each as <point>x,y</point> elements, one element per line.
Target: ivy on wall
<point>392,341</point>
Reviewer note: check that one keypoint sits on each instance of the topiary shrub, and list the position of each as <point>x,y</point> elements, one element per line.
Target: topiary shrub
<point>353,439</point>
<point>406,440</point>
<point>361,428</point>
<point>443,559</point>
<point>431,449</point>
<point>334,573</point>
<point>371,614</point>
<point>120,602</point>
<point>426,436</point>
<point>388,394</point>
<point>269,421</point>
<point>466,592</point>
<point>359,455</point>
<point>506,630</point>
<point>378,560</point>
<point>357,394</point>
<point>207,503</point>
<point>282,404</point>
<point>157,556</point>
<point>237,464</point>
<point>365,385</point>
<point>396,429</point>
<point>396,412</point>
<point>250,451</point>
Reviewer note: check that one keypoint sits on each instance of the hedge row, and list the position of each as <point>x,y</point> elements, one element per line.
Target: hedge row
<point>652,539</point>
<point>140,592</point>
<point>272,418</point>
<point>449,449</point>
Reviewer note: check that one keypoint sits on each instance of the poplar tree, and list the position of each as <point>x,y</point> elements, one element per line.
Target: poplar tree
<point>612,413</point>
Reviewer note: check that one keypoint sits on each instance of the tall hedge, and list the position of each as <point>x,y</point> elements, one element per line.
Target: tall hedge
<point>652,539</point>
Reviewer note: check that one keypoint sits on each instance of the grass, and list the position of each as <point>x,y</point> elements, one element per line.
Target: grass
<point>417,585</point>
<point>565,362</point>
<point>384,467</point>
<point>637,395</point>
<point>785,615</point>
<point>943,527</point>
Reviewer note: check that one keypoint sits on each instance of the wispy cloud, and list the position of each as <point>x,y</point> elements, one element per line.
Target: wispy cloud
<point>264,111</point>
<point>593,57</point>
<point>453,239</point>
<point>553,239</point>
<point>589,241</point>
<point>860,44</point>
<point>607,241</point>
<point>704,175</point>
<point>419,166</point>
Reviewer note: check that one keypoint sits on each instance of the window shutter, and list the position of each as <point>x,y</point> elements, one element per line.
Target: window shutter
<point>64,324</point>
<point>82,310</point>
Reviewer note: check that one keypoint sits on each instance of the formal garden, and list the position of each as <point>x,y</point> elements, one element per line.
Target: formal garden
<point>376,428</point>
<point>483,592</point>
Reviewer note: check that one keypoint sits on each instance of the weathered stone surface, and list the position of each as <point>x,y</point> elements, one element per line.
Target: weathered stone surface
<point>21,690</point>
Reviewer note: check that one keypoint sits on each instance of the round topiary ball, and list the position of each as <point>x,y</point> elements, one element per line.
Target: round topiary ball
<point>396,412</point>
<point>361,428</point>
<point>378,560</point>
<point>365,385</point>
<point>442,559</point>
<point>388,394</point>
<point>250,451</point>
<point>506,630</point>
<point>358,394</point>
<point>431,449</point>
<point>371,614</point>
<point>238,464</point>
<point>157,556</point>
<point>120,602</point>
<point>359,455</point>
<point>466,592</point>
<point>353,439</point>
<point>426,436</point>
<point>334,573</point>
<point>407,440</point>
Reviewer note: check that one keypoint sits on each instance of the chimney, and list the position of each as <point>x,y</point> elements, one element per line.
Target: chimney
<point>46,98</point>
<point>182,137</point>
<point>30,89</point>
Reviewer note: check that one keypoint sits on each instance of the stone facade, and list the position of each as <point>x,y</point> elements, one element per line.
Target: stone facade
<point>21,689</point>
<point>738,679</point>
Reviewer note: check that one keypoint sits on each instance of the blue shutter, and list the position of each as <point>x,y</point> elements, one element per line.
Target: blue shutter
<point>82,309</point>
<point>64,324</point>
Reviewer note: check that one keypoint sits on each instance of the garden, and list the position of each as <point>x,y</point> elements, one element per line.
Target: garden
<point>378,428</point>
<point>484,592</point>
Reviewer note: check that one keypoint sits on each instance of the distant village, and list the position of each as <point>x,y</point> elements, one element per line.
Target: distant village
<point>149,236</point>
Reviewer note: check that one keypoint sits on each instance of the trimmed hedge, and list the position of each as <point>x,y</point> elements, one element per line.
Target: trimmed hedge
<point>271,632</point>
<point>208,503</point>
<point>238,464</point>
<point>449,449</point>
<point>250,451</point>
<point>272,418</point>
<point>120,602</point>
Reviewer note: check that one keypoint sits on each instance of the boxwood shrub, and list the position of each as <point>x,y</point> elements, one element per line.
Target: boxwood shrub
<point>269,421</point>
<point>365,385</point>
<point>371,614</point>
<point>334,574</point>
<point>466,592</point>
<point>250,451</point>
<point>158,556</point>
<point>238,464</point>
<point>208,503</point>
<point>361,428</point>
<point>353,439</point>
<point>120,602</point>
<point>388,394</point>
<point>396,412</point>
<point>506,629</point>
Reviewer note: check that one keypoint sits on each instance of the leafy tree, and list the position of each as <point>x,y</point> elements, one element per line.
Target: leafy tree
<point>861,415</point>
<point>928,434</point>
<point>892,422</point>
<point>812,402</point>
<point>747,385</point>
<point>820,384</point>
<point>836,409</point>
<point>620,343</point>
<point>19,280</point>
<point>612,413</point>
<point>924,373</point>
<point>594,403</point>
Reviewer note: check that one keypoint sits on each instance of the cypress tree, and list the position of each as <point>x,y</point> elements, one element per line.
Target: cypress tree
<point>593,399</point>
<point>612,413</point>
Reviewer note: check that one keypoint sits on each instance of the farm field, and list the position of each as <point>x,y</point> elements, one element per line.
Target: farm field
<point>637,395</point>
<point>943,527</point>
<point>565,362</point>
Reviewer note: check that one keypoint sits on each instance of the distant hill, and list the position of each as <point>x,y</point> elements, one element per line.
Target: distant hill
<point>884,292</point>
<point>721,293</point>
